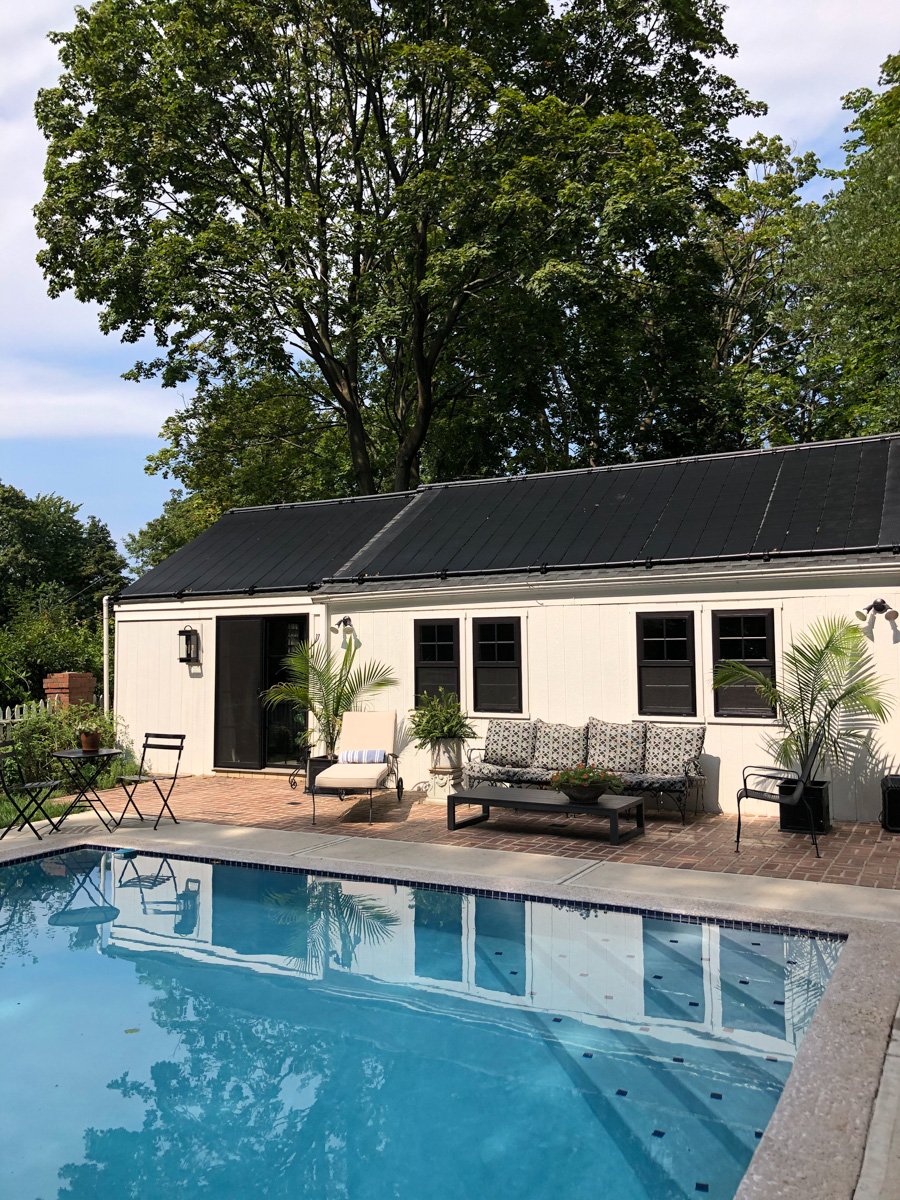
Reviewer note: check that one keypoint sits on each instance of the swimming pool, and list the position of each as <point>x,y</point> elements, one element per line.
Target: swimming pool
<point>174,1027</point>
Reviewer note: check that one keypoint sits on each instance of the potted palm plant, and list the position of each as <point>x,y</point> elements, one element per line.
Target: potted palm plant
<point>326,685</point>
<point>829,686</point>
<point>440,725</point>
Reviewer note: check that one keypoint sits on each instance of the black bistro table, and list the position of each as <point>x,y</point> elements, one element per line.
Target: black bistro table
<point>83,768</point>
<point>523,799</point>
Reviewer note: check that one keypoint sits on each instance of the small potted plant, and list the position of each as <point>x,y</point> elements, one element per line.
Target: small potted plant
<point>440,725</point>
<point>585,784</point>
<point>89,737</point>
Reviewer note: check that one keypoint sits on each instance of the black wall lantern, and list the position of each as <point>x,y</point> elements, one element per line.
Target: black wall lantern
<point>189,646</point>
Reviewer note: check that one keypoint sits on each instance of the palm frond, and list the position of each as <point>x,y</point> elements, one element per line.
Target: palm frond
<point>827,680</point>
<point>326,685</point>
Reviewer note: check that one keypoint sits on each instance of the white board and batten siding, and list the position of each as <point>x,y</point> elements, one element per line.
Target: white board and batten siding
<point>154,691</point>
<point>579,656</point>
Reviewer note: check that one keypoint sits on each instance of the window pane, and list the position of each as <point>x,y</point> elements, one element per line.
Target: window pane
<point>667,690</point>
<point>754,626</point>
<point>731,648</point>
<point>677,649</point>
<point>498,690</point>
<point>676,627</point>
<point>730,627</point>
<point>654,627</point>
<point>755,648</point>
<point>443,633</point>
<point>655,649</point>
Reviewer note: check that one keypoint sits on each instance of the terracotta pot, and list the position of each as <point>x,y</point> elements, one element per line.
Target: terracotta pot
<point>90,742</point>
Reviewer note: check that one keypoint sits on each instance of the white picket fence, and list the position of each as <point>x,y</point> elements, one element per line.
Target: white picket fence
<point>13,713</point>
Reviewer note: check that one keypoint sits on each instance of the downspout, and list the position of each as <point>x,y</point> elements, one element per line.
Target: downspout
<point>106,654</point>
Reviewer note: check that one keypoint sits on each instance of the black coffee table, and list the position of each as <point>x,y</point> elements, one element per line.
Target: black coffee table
<point>537,800</point>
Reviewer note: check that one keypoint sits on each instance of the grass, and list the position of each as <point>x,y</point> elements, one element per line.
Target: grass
<point>53,808</point>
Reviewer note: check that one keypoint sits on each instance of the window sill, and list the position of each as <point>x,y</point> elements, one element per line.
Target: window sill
<point>499,716</point>
<point>756,722</point>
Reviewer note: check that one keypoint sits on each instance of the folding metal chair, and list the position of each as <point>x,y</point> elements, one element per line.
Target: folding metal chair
<point>172,743</point>
<point>28,799</point>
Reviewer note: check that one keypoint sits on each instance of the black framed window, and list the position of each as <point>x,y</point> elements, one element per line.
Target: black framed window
<point>748,637</point>
<point>437,657</point>
<point>666,664</point>
<point>497,667</point>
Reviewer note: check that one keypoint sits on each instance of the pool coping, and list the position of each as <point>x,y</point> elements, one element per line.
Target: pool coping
<point>815,1143</point>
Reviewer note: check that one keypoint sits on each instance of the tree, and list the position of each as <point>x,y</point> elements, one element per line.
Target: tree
<point>850,265</point>
<point>346,193</point>
<point>54,570</point>
<point>44,541</point>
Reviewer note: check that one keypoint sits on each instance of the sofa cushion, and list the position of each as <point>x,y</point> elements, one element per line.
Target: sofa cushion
<point>639,781</point>
<point>616,746</point>
<point>509,743</point>
<point>493,773</point>
<point>670,746</point>
<point>558,746</point>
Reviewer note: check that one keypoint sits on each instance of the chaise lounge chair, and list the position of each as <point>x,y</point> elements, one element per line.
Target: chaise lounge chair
<point>366,758</point>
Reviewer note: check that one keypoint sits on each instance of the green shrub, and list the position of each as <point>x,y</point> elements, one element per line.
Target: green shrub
<point>38,735</point>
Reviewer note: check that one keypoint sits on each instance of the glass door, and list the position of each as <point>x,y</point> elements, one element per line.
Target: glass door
<point>249,658</point>
<point>282,723</point>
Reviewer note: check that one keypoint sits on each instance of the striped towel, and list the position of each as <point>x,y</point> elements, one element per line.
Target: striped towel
<point>362,756</point>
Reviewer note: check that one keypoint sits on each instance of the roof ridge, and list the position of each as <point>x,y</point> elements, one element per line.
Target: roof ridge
<point>659,462</point>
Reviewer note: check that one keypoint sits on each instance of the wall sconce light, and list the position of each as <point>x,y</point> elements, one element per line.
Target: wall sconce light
<point>877,606</point>
<point>189,646</point>
<point>348,634</point>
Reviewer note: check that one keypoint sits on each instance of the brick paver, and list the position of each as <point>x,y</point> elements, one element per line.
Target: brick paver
<point>853,853</point>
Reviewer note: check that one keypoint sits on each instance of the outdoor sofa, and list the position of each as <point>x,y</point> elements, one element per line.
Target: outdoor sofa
<point>652,758</point>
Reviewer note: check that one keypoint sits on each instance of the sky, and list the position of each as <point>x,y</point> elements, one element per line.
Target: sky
<point>70,424</point>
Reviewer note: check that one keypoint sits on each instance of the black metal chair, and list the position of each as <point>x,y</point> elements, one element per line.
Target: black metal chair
<point>172,743</point>
<point>778,777</point>
<point>27,798</point>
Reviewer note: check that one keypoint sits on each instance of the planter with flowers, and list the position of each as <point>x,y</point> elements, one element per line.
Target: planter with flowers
<point>585,784</point>
<point>89,737</point>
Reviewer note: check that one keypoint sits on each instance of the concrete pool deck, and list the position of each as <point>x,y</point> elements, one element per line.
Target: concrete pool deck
<point>815,1144</point>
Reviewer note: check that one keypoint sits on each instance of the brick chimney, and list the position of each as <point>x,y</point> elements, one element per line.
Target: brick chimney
<point>70,687</point>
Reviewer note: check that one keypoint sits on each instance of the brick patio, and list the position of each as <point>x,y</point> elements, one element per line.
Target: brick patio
<point>853,853</point>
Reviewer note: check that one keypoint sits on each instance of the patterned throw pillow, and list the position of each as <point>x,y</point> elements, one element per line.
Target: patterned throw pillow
<point>670,746</point>
<point>559,746</point>
<point>509,743</point>
<point>361,756</point>
<point>616,746</point>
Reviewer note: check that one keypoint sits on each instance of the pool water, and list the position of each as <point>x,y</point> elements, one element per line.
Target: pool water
<point>184,1029</point>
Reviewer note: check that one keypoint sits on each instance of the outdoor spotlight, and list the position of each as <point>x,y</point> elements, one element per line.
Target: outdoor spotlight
<point>348,634</point>
<point>189,646</point>
<point>881,607</point>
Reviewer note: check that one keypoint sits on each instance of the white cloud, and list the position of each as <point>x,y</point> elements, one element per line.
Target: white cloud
<point>40,399</point>
<point>802,56</point>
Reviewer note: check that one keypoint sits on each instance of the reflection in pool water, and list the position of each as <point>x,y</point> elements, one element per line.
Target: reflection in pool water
<point>224,1031</point>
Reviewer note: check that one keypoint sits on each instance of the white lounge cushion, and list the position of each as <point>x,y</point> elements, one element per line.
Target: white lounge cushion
<point>359,776</point>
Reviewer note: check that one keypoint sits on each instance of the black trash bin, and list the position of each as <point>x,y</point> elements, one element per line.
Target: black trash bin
<point>890,803</point>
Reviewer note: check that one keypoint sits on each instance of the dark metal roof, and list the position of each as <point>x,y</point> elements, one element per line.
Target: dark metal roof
<point>285,548</point>
<point>824,499</point>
